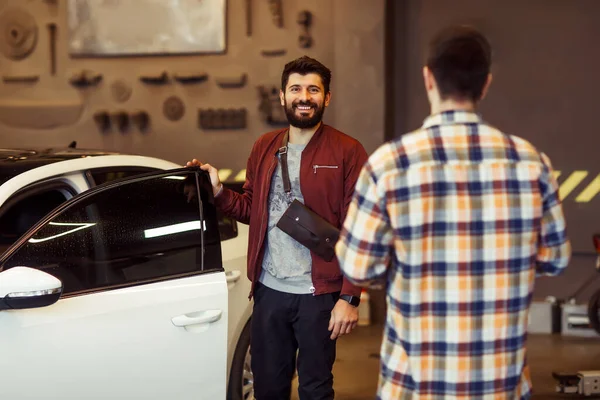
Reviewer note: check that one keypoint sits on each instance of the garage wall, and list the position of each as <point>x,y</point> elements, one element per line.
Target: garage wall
<point>348,38</point>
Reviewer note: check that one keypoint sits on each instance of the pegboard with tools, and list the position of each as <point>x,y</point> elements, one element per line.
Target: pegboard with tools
<point>112,84</point>
<point>221,118</point>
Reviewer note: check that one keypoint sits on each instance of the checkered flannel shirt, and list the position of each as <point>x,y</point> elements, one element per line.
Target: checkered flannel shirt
<point>458,218</point>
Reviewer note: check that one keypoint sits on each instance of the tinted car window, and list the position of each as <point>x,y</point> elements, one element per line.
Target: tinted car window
<point>138,231</point>
<point>19,217</point>
<point>227,226</point>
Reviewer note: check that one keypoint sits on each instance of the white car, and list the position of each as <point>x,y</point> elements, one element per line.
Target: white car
<point>118,279</point>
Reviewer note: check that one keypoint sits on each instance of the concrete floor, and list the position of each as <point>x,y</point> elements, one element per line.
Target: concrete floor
<point>357,365</point>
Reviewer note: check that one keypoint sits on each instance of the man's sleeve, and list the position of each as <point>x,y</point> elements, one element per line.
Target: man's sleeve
<point>234,204</point>
<point>554,248</point>
<point>354,164</point>
<point>364,247</point>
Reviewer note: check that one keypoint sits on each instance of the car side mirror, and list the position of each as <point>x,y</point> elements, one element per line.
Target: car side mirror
<point>24,287</point>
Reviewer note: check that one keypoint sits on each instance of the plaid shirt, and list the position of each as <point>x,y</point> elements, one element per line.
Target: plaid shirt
<point>459,218</point>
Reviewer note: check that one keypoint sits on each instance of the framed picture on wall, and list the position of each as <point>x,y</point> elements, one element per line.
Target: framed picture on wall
<point>146,27</point>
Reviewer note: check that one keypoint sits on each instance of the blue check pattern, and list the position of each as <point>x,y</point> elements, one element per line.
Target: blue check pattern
<point>457,218</point>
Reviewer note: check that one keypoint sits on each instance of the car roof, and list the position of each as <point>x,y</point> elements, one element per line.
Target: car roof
<point>16,161</point>
<point>77,165</point>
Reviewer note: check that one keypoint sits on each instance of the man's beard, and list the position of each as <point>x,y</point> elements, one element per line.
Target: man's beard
<point>304,122</point>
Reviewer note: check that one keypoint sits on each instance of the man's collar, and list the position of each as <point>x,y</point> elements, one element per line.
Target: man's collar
<point>311,142</point>
<point>452,117</point>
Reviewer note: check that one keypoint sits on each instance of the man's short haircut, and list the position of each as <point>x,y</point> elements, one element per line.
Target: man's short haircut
<point>303,66</point>
<point>460,58</point>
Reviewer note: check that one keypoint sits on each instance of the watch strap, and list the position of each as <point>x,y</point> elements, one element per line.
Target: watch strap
<point>353,300</point>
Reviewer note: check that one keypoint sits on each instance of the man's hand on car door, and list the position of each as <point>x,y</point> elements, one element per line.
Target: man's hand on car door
<point>212,171</point>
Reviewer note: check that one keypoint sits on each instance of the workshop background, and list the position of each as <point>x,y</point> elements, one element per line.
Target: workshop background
<point>118,76</point>
<point>71,101</point>
<point>176,80</point>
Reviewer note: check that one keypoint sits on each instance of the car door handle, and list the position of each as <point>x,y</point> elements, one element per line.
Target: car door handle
<point>233,276</point>
<point>201,317</point>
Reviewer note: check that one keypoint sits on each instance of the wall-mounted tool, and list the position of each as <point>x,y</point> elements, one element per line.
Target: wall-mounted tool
<point>42,112</point>
<point>141,119</point>
<point>273,53</point>
<point>275,6</point>
<point>20,78</point>
<point>190,78</point>
<point>120,91</point>
<point>248,18</point>
<point>231,82</point>
<point>121,120</point>
<point>160,79</point>
<point>85,78</point>
<point>52,37</point>
<point>305,19</point>
<point>19,33</point>
<point>173,108</point>
<point>221,118</point>
<point>270,107</point>
<point>102,120</point>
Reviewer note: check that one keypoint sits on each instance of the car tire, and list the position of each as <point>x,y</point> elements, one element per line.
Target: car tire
<point>241,381</point>
<point>593,309</point>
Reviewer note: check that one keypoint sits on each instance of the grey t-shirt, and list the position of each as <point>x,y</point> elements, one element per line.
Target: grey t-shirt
<point>287,263</point>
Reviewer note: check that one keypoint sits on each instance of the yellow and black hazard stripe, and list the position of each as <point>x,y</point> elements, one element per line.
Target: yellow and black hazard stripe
<point>572,183</point>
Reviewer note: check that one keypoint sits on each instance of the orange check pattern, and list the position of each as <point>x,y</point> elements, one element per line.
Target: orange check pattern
<point>458,218</point>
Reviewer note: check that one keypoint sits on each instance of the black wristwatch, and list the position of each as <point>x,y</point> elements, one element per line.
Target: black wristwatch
<point>353,300</point>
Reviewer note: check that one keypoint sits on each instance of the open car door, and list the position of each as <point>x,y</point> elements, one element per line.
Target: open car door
<point>119,293</point>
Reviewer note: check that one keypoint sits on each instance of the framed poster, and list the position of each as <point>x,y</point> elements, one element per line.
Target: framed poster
<point>146,27</point>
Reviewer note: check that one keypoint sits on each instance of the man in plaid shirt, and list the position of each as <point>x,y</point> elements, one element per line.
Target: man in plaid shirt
<point>458,218</point>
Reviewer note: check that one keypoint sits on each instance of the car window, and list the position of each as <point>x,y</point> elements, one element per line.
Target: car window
<point>20,212</point>
<point>108,174</point>
<point>227,226</point>
<point>137,231</point>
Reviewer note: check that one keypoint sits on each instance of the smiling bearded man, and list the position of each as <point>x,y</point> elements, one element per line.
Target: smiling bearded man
<point>302,304</point>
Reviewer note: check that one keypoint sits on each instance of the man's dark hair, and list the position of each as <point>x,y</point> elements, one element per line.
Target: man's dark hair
<point>459,59</point>
<point>303,66</point>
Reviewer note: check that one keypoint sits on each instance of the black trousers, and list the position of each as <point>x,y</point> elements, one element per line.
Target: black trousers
<point>283,324</point>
